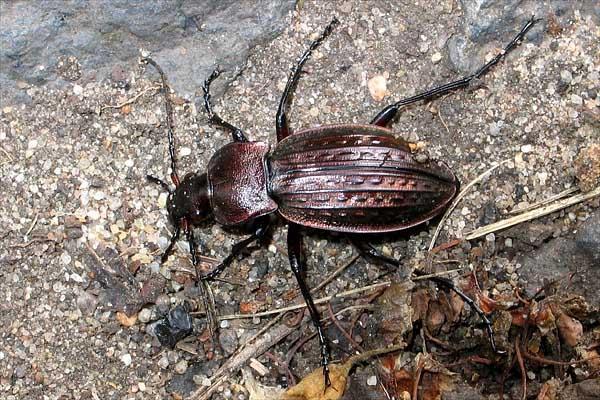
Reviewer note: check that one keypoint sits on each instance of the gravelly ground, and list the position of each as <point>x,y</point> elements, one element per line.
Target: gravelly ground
<point>73,178</point>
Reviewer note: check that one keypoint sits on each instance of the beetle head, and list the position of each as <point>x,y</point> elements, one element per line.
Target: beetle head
<point>189,203</point>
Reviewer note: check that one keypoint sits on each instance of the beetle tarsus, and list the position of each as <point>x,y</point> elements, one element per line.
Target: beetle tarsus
<point>281,121</point>
<point>388,113</point>
<point>237,134</point>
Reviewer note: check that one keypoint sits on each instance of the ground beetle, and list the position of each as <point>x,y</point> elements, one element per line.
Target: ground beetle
<point>347,178</point>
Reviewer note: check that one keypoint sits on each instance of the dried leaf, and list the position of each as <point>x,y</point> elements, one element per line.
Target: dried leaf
<point>312,387</point>
<point>258,391</point>
<point>570,329</point>
<point>125,320</point>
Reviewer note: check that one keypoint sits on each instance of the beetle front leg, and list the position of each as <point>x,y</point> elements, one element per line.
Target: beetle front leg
<point>281,122</point>
<point>294,242</point>
<point>262,227</point>
<point>237,134</point>
<point>367,249</point>
<point>388,113</point>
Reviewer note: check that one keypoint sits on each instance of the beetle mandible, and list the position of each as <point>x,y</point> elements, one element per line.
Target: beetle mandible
<point>347,178</point>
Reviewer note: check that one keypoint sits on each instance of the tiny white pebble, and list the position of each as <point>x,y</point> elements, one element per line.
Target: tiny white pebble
<point>577,100</point>
<point>185,151</point>
<point>372,380</point>
<point>129,163</point>
<point>126,359</point>
<point>526,148</point>
<point>377,87</point>
<point>65,258</point>
<point>436,57</point>
<point>78,90</point>
<point>273,249</point>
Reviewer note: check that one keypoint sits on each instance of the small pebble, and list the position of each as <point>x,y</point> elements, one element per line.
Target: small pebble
<point>126,359</point>
<point>372,380</point>
<point>181,367</point>
<point>436,57</point>
<point>163,362</point>
<point>377,87</point>
<point>526,148</point>
<point>145,315</point>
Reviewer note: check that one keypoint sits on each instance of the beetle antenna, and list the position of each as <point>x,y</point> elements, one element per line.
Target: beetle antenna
<point>169,112</point>
<point>160,182</point>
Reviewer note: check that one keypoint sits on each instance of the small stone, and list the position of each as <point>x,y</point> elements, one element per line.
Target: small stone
<point>87,303</point>
<point>228,340</point>
<point>526,148</point>
<point>436,57</point>
<point>377,87</point>
<point>126,359</point>
<point>372,380</point>
<point>78,90</point>
<point>163,362</point>
<point>566,76</point>
<point>576,99</point>
<point>145,315</point>
<point>181,367</point>
<point>185,151</point>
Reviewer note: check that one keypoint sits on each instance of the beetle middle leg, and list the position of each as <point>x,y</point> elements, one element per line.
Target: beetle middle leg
<point>368,250</point>
<point>237,134</point>
<point>388,113</point>
<point>294,242</point>
<point>281,122</point>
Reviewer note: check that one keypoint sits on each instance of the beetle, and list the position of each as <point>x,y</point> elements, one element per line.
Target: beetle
<point>348,178</point>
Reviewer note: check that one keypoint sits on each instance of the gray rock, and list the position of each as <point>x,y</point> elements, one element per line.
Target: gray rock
<point>188,38</point>
<point>555,260</point>
<point>489,23</point>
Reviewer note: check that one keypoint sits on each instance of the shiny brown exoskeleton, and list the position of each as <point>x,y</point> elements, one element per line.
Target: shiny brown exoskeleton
<point>346,178</point>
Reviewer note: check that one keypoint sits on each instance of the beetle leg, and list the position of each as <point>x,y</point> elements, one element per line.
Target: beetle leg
<point>388,113</point>
<point>281,121</point>
<point>294,242</point>
<point>370,251</point>
<point>174,240</point>
<point>259,233</point>
<point>237,134</point>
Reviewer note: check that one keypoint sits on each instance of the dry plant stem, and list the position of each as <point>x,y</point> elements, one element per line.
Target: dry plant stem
<point>334,274</point>
<point>550,199</point>
<point>35,220</point>
<point>547,361</point>
<point>335,321</point>
<point>417,379</point>
<point>458,199</point>
<point>521,367</point>
<point>325,299</point>
<point>131,100</point>
<point>533,214</point>
<point>235,363</point>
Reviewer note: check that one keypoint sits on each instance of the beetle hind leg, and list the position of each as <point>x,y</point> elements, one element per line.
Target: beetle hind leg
<point>237,134</point>
<point>388,113</point>
<point>281,121</point>
<point>368,250</point>
<point>294,242</point>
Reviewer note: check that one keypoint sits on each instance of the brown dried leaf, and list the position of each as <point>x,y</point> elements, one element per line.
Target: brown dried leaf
<point>486,304</point>
<point>549,390</point>
<point>312,387</point>
<point>570,329</point>
<point>125,320</point>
